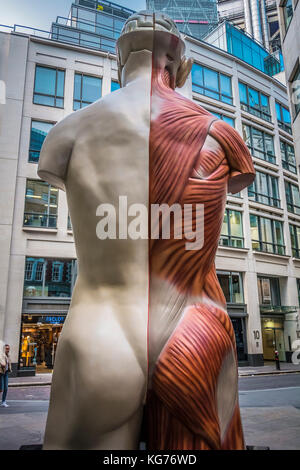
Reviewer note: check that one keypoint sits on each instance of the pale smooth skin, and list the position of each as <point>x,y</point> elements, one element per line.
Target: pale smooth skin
<point>101,370</point>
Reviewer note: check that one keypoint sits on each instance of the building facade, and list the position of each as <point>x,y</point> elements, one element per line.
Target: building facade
<point>192,17</point>
<point>258,260</point>
<point>289,17</point>
<point>259,18</point>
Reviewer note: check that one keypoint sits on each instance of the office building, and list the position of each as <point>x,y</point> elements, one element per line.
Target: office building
<point>258,260</point>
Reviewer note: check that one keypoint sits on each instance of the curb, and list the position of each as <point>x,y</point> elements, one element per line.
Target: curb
<point>271,373</point>
<point>28,384</point>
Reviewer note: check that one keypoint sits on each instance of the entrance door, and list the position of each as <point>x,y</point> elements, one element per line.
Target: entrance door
<point>273,339</point>
<point>279,343</point>
<point>239,338</point>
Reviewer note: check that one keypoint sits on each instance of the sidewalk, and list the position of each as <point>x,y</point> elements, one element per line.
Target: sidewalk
<point>269,369</point>
<point>39,379</point>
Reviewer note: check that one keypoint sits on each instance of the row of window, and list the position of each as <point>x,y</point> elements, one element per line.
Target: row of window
<point>49,85</point>
<point>216,85</point>
<point>266,234</point>
<point>47,277</point>
<point>41,207</point>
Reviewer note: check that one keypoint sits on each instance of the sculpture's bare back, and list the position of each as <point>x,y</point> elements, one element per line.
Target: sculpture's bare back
<point>128,305</point>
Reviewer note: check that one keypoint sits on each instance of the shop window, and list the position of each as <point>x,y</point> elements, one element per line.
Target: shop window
<point>87,90</point>
<point>114,85</point>
<point>45,277</point>
<point>283,118</point>
<point>288,156</point>
<point>49,86</point>
<point>254,102</point>
<point>232,229</point>
<point>41,202</point>
<point>39,338</point>
<point>260,143</point>
<point>210,83</point>
<point>264,189</point>
<point>267,235</point>
<point>39,131</point>
<point>232,286</point>
<point>292,198</point>
<point>295,240</point>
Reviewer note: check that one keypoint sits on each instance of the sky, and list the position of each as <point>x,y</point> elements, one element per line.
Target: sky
<point>40,13</point>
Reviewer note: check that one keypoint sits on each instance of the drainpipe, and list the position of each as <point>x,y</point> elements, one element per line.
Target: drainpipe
<point>247,14</point>
<point>256,25</point>
<point>264,23</point>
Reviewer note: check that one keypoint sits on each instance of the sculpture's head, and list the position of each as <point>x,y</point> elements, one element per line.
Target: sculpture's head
<point>155,32</point>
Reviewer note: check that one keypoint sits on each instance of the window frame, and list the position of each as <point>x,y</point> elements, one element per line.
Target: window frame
<point>274,245</point>
<point>231,238</point>
<point>230,274</point>
<point>295,249</point>
<point>270,158</point>
<point>260,111</point>
<point>81,101</point>
<point>291,206</point>
<point>259,196</point>
<point>281,124</point>
<point>33,150</point>
<point>55,97</point>
<point>205,88</point>
<point>47,216</point>
<point>285,163</point>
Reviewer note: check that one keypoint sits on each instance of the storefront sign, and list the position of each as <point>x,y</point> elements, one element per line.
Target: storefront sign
<point>52,319</point>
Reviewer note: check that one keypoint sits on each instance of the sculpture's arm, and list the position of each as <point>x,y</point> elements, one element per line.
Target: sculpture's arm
<point>242,172</point>
<point>56,152</point>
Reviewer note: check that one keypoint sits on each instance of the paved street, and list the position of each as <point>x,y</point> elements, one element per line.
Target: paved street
<point>270,407</point>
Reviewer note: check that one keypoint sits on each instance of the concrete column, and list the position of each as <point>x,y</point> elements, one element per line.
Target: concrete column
<point>254,333</point>
<point>264,23</point>
<point>247,14</point>
<point>256,24</point>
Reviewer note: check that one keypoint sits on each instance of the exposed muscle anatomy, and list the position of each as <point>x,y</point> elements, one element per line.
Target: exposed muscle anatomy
<point>152,312</point>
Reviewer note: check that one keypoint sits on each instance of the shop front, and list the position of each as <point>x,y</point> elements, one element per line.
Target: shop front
<point>39,337</point>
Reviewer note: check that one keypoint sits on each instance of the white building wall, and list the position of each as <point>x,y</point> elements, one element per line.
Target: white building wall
<point>17,241</point>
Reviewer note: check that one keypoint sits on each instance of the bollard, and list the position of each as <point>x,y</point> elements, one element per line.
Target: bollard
<point>277,362</point>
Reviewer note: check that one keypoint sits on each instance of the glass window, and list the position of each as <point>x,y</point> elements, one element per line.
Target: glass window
<point>264,189</point>
<point>232,286</point>
<point>283,118</point>
<point>49,86</point>
<point>232,229</point>
<point>254,102</point>
<point>46,277</point>
<point>269,291</point>
<point>224,118</point>
<point>39,131</point>
<point>295,91</point>
<point>114,85</point>
<point>210,83</point>
<point>260,144</point>
<point>287,13</point>
<point>292,197</point>
<point>41,202</point>
<point>266,235</point>
<point>288,156</point>
<point>87,90</point>
<point>295,240</point>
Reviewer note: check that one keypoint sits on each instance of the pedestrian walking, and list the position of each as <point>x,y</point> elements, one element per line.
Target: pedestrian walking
<point>5,369</point>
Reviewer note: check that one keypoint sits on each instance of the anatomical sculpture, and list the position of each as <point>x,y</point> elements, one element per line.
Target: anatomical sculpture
<point>147,327</point>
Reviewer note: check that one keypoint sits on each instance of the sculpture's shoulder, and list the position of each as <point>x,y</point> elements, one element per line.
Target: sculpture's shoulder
<point>56,151</point>
<point>237,154</point>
